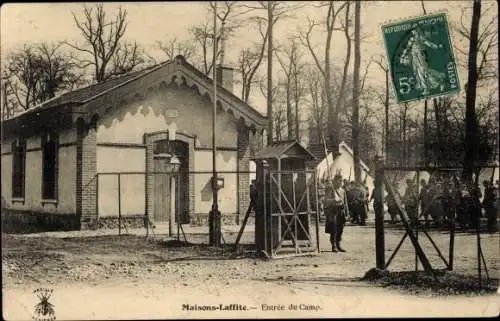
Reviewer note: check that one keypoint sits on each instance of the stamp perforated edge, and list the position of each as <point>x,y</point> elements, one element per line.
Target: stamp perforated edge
<point>383,44</point>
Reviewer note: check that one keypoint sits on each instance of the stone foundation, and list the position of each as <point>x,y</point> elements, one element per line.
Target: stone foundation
<point>201,219</point>
<point>18,221</point>
<point>131,221</point>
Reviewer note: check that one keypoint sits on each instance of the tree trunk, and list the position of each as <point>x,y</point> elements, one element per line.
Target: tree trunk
<point>470,100</point>
<point>341,96</point>
<point>296,101</point>
<point>356,94</point>
<point>332,113</point>
<point>270,72</point>
<point>437,105</point>
<point>289,115</point>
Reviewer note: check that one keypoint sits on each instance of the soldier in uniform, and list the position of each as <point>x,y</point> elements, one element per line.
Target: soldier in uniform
<point>424,200</point>
<point>356,198</point>
<point>465,206</point>
<point>476,205</point>
<point>321,198</point>
<point>489,205</point>
<point>449,203</point>
<point>335,203</point>
<point>253,194</point>
<point>436,209</point>
<point>392,208</point>
<point>411,201</point>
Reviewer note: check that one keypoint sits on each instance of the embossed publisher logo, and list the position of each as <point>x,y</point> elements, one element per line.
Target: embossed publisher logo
<point>44,310</point>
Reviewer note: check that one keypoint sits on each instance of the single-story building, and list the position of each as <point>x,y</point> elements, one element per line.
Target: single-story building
<point>80,159</point>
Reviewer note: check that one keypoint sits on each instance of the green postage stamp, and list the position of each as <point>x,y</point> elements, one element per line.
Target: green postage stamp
<point>421,58</point>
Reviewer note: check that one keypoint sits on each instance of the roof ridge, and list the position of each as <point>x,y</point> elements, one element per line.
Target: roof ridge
<point>113,78</point>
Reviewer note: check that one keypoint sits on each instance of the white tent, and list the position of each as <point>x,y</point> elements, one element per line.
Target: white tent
<point>344,163</point>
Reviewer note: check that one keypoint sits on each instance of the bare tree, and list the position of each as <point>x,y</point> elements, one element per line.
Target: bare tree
<point>292,67</point>
<point>204,39</point>
<point>174,47</point>
<point>106,51</point>
<point>278,98</point>
<point>383,65</point>
<point>317,107</point>
<point>249,61</point>
<point>324,66</point>
<point>487,44</point>
<point>23,77</point>
<point>275,10</point>
<point>34,74</point>
<point>356,93</point>
<point>471,128</point>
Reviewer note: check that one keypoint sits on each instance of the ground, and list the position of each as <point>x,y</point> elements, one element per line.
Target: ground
<point>99,276</point>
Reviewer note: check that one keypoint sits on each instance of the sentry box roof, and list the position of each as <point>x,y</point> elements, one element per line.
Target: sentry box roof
<point>284,149</point>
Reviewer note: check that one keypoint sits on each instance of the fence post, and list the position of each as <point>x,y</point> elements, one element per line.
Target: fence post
<point>379,214</point>
<point>119,205</point>
<point>97,195</point>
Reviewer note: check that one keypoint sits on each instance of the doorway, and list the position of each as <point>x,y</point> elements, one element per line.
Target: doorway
<point>164,196</point>
<point>171,183</point>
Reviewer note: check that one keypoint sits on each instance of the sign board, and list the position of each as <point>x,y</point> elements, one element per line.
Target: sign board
<point>420,58</point>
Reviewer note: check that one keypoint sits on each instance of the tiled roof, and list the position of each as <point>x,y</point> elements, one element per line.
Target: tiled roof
<point>82,95</point>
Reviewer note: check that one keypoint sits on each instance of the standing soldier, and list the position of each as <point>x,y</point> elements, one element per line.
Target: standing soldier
<point>489,205</point>
<point>321,198</point>
<point>465,207</point>
<point>448,201</point>
<point>392,208</point>
<point>411,201</point>
<point>335,203</point>
<point>351,194</point>
<point>476,208</point>
<point>424,200</point>
<point>357,203</point>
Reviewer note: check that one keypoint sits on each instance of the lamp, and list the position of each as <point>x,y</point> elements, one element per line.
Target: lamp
<point>175,163</point>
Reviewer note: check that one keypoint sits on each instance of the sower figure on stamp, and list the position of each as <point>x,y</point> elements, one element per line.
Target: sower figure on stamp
<point>335,203</point>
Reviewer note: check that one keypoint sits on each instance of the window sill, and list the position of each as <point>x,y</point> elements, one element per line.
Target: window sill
<point>17,200</point>
<point>45,201</point>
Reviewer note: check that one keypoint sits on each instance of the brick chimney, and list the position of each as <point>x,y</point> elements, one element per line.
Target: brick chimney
<point>224,77</point>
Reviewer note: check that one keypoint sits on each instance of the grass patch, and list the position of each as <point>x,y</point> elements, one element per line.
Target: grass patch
<point>422,283</point>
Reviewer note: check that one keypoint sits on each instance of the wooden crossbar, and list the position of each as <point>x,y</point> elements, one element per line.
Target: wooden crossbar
<point>404,219</point>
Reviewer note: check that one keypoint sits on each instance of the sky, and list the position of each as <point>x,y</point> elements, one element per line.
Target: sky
<point>156,21</point>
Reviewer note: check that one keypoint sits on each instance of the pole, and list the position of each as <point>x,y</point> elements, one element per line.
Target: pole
<point>416,220</point>
<point>387,115</point>
<point>215,217</point>
<point>119,206</point>
<point>478,238</point>
<point>425,134</point>
<point>270,72</point>
<point>452,241</point>
<point>379,215</point>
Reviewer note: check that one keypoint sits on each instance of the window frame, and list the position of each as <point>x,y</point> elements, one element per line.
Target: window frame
<point>50,137</point>
<point>19,147</point>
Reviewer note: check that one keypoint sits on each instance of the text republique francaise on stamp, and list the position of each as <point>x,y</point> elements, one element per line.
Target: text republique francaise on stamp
<point>420,57</point>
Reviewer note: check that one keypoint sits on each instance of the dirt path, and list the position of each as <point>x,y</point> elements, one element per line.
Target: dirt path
<point>110,277</point>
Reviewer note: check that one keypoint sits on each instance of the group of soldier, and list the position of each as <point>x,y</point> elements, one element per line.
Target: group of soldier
<point>443,199</point>
<point>447,199</point>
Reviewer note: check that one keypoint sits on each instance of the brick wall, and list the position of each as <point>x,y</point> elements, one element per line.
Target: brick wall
<point>86,179</point>
<point>243,165</point>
